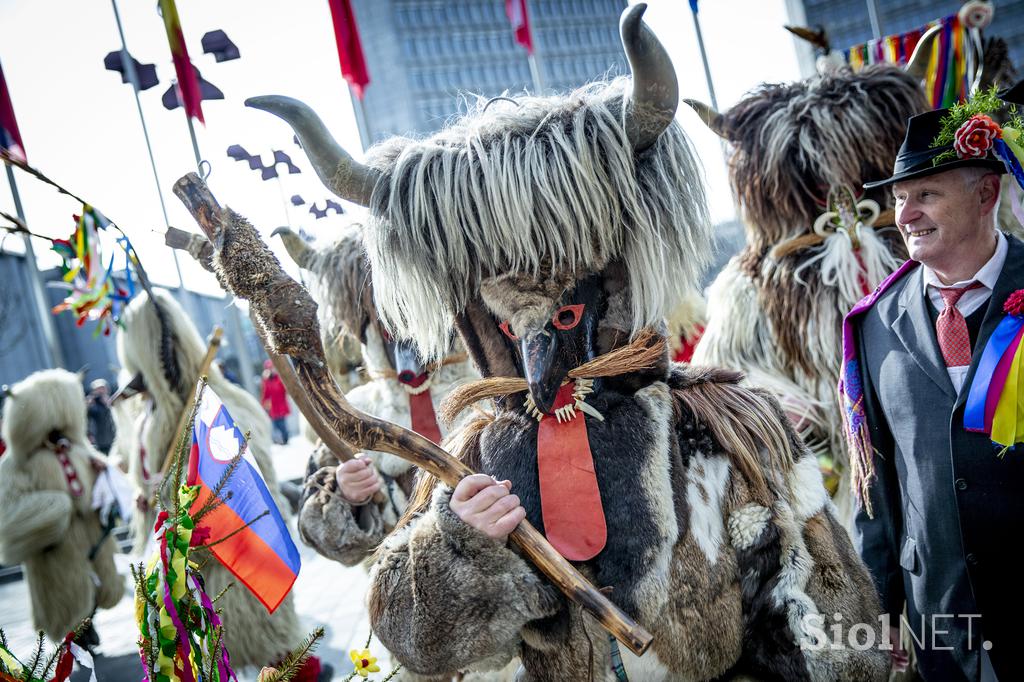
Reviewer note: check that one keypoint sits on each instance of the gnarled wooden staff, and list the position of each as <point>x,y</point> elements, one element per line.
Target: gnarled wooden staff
<point>246,267</point>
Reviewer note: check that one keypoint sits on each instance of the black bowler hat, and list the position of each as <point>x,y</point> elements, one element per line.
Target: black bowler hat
<point>1014,94</point>
<point>915,158</point>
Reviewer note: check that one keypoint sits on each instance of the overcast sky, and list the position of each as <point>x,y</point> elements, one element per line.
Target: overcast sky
<point>80,125</point>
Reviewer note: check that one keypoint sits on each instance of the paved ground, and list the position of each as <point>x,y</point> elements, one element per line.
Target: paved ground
<point>326,593</point>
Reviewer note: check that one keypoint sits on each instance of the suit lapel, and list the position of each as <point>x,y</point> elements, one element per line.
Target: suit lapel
<point>914,328</point>
<point>1010,279</point>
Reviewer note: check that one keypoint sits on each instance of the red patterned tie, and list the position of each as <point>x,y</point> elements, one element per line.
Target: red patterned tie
<point>951,327</point>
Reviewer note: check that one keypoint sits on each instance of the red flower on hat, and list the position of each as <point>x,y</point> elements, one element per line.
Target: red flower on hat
<point>1014,304</point>
<point>976,136</point>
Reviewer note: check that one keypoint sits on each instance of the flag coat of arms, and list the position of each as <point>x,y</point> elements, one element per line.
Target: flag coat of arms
<point>262,556</point>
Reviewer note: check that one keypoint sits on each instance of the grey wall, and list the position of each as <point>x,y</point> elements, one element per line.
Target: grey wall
<point>22,344</point>
<point>23,348</point>
<point>422,55</point>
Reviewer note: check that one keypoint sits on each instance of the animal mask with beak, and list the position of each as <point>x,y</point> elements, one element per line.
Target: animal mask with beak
<point>548,332</point>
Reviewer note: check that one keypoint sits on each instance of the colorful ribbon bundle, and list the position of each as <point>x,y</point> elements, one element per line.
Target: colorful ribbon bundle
<point>951,69</point>
<point>181,634</point>
<point>94,294</point>
<point>995,403</point>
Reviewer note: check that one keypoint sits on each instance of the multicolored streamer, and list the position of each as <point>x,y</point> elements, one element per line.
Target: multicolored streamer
<point>94,293</point>
<point>995,402</point>
<point>181,634</point>
<point>950,69</point>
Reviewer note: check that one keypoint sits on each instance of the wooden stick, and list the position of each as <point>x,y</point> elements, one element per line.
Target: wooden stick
<point>201,248</point>
<point>247,267</point>
<point>204,368</point>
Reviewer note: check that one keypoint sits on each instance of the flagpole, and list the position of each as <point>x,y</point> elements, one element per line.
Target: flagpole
<point>195,143</point>
<point>532,56</point>
<point>876,25</point>
<point>703,55</point>
<point>362,124</point>
<point>133,77</point>
<point>284,201</point>
<point>42,309</point>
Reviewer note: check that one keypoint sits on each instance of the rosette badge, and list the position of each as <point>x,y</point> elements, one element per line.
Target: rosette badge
<point>995,403</point>
<point>975,138</point>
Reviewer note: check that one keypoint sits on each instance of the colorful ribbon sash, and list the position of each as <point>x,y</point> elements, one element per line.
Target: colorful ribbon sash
<point>995,402</point>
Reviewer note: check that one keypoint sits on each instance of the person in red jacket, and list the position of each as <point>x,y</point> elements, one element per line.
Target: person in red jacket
<point>275,401</point>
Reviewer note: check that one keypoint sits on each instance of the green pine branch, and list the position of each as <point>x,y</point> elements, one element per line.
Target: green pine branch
<point>296,659</point>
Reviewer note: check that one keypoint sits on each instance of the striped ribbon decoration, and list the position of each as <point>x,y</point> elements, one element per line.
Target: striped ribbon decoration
<point>948,78</point>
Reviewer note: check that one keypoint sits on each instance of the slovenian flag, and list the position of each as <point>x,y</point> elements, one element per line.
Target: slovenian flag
<point>262,556</point>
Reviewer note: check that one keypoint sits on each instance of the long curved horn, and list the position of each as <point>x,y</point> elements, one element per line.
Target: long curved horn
<point>342,174</point>
<point>296,246</point>
<point>712,119</point>
<point>655,97</point>
<point>917,65</point>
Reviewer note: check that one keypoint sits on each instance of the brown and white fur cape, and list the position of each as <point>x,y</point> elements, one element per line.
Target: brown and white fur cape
<point>775,311</point>
<point>721,538</point>
<point>43,526</point>
<point>252,636</point>
<point>342,289</point>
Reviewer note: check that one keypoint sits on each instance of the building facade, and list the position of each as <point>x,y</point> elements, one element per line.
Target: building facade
<point>848,21</point>
<point>424,56</point>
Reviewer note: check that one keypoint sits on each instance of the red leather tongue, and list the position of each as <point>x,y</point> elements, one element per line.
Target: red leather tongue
<point>570,500</point>
<point>424,421</point>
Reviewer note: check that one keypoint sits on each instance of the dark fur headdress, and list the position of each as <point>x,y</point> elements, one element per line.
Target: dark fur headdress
<point>793,141</point>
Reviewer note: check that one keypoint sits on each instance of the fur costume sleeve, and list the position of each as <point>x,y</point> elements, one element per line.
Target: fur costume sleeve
<point>444,596</point>
<point>31,520</point>
<point>335,528</point>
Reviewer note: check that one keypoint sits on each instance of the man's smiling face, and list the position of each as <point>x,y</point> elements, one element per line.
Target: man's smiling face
<point>940,216</point>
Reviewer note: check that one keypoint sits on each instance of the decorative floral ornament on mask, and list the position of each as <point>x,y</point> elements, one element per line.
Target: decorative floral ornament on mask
<point>973,134</point>
<point>995,403</point>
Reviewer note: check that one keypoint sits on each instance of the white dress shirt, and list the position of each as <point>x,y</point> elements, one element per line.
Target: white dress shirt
<point>971,300</point>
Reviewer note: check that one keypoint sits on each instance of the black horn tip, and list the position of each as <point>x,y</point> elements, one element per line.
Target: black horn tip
<point>283,230</point>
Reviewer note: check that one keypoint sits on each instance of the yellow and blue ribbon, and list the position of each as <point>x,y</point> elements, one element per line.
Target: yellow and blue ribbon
<point>995,402</point>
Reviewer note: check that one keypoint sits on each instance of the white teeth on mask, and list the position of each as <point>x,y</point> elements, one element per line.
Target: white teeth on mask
<point>582,388</point>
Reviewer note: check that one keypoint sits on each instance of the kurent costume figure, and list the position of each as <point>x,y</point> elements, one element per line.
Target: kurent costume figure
<point>163,351</point>
<point>47,523</point>
<point>551,231</point>
<point>401,389</point>
<point>800,152</point>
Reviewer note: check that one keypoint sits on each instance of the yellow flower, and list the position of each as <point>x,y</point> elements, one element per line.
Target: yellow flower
<point>364,662</point>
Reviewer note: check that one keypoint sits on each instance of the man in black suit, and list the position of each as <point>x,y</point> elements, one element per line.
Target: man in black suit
<point>941,508</point>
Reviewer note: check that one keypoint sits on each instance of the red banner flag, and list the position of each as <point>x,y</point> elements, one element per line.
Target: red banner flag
<point>10,138</point>
<point>188,84</point>
<point>350,50</point>
<point>520,18</point>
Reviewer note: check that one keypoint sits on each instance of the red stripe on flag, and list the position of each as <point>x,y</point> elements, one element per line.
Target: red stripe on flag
<point>188,84</point>
<point>10,137</point>
<point>517,13</point>
<point>246,555</point>
<point>350,49</point>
